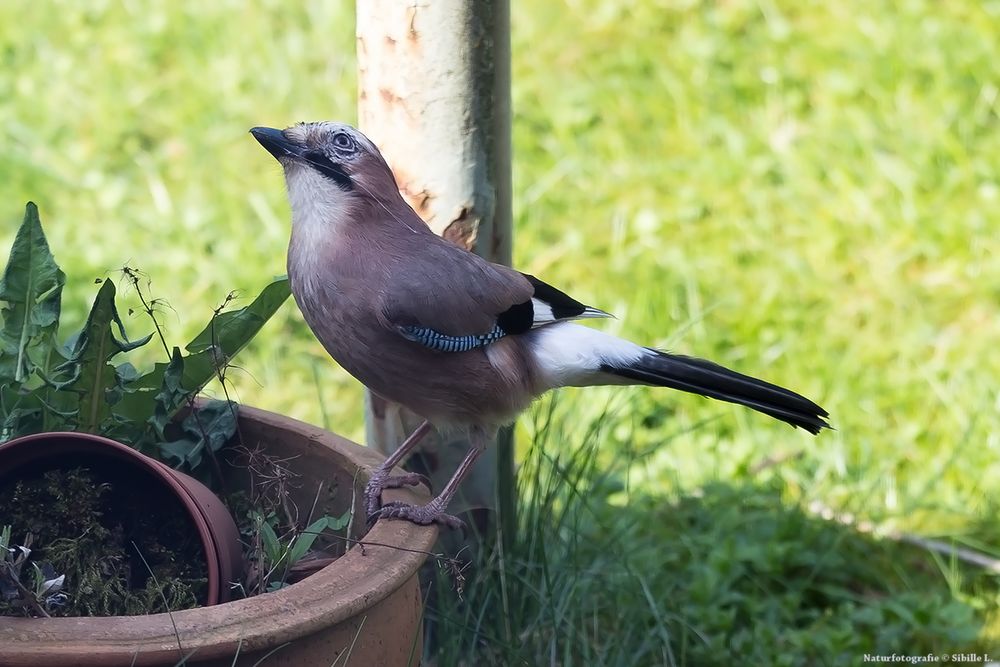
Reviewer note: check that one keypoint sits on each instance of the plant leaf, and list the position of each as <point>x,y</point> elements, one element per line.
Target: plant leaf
<point>142,394</point>
<point>232,330</point>
<point>47,582</point>
<point>271,544</point>
<point>337,523</point>
<point>127,372</point>
<point>304,540</point>
<point>93,376</point>
<point>93,349</point>
<point>228,333</point>
<point>171,394</point>
<point>31,288</point>
<point>209,425</point>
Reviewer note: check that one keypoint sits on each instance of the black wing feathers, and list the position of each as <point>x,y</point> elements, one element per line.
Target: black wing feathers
<point>546,305</point>
<point>517,319</point>
<point>564,307</point>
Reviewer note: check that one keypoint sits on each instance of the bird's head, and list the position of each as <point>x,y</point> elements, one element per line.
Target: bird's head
<point>329,167</point>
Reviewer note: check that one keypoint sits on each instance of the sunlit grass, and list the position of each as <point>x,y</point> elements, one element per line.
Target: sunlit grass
<point>804,191</point>
<point>607,572</point>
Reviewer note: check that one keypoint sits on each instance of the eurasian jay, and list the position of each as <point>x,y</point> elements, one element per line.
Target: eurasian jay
<point>458,340</point>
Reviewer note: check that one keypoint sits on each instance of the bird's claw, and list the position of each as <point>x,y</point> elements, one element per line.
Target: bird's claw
<point>423,515</point>
<point>381,480</point>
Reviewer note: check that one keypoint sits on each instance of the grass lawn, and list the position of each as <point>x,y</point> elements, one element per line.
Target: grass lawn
<point>805,191</point>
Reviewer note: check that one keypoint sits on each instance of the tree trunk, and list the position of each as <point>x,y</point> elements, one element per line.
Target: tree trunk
<point>434,95</point>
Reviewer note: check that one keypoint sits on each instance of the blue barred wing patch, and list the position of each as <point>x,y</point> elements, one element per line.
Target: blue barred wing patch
<point>445,343</point>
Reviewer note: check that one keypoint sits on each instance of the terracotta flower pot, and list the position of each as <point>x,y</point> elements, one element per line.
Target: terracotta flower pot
<point>366,603</point>
<point>208,516</point>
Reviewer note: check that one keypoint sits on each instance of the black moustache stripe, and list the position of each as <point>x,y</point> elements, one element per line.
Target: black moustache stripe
<point>334,172</point>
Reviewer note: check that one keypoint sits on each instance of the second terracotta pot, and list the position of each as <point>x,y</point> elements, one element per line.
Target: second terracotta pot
<point>208,516</point>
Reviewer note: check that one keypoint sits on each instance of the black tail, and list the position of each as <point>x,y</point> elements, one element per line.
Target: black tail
<point>709,379</point>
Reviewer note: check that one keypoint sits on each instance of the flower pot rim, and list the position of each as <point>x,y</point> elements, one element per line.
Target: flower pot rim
<point>393,552</point>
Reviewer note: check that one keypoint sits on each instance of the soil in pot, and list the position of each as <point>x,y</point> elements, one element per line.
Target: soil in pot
<point>124,544</point>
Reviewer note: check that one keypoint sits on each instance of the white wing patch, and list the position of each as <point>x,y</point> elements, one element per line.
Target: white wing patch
<point>542,313</point>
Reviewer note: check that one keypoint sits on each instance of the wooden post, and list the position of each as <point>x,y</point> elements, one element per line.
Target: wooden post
<point>434,95</point>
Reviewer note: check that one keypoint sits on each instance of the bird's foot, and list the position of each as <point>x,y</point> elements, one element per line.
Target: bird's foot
<point>423,515</point>
<point>380,480</point>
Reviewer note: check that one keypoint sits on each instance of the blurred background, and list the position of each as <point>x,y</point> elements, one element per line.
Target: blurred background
<point>804,191</point>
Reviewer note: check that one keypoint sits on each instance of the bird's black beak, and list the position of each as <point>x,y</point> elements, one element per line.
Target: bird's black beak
<point>275,142</point>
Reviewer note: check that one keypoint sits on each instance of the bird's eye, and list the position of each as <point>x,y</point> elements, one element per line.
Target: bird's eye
<point>342,141</point>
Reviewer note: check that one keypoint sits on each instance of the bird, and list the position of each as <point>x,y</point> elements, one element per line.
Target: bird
<point>463,342</point>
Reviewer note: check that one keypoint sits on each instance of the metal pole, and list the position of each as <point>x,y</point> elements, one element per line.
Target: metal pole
<point>434,95</point>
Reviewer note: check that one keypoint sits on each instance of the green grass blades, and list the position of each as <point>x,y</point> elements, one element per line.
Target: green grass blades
<point>604,571</point>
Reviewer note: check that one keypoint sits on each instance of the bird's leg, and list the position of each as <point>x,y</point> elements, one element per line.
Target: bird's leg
<point>434,511</point>
<point>381,479</point>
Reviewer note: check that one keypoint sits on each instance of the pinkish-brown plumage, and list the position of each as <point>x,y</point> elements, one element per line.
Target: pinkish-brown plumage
<point>355,296</point>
